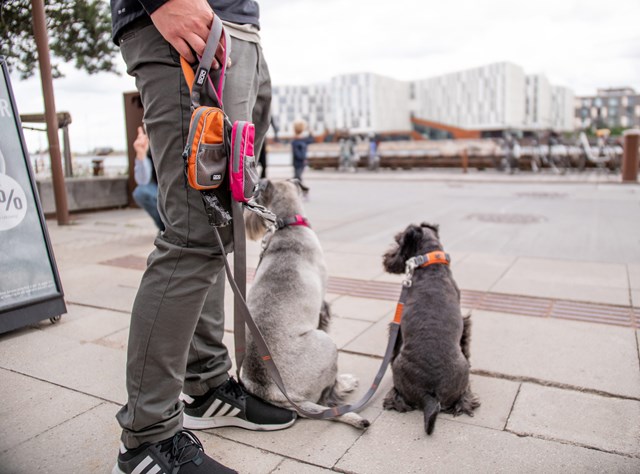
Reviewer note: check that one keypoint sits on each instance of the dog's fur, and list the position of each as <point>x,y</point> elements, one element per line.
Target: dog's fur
<point>431,358</point>
<point>287,302</point>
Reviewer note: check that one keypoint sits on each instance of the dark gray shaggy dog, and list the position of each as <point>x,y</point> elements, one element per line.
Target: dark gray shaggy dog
<point>287,302</point>
<point>431,357</point>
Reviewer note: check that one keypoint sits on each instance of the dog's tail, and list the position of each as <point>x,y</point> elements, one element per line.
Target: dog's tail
<point>431,410</point>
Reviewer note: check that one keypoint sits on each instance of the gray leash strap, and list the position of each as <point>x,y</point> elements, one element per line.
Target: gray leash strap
<point>243,316</point>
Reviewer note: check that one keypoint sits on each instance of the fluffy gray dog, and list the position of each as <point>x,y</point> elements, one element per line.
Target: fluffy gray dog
<point>431,357</point>
<point>287,303</point>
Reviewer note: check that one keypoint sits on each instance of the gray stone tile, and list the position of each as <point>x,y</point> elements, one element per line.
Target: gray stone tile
<point>87,443</point>
<point>604,423</point>
<point>480,271</point>
<point>363,267</point>
<point>54,405</point>
<point>102,286</point>
<point>317,442</point>
<point>289,466</point>
<point>365,309</point>
<point>496,397</point>
<point>89,368</point>
<point>396,442</point>
<point>573,280</point>
<point>238,456</point>
<point>634,275</point>
<point>373,341</point>
<point>86,324</point>
<point>584,355</point>
<point>17,347</point>
<point>343,330</point>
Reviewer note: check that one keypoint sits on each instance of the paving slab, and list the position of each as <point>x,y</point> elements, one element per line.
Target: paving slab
<point>102,286</point>
<point>398,443</point>
<point>573,280</point>
<point>87,324</point>
<point>603,423</point>
<point>88,368</point>
<point>357,266</point>
<point>496,401</point>
<point>585,355</point>
<point>373,341</point>
<point>289,466</point>
<point>17,347</point>
<point>54,404</point>
<point>242,458</point>
<point>345,330</point>
<point>480,272</point>
<point>365,309</point>
<point>317,442</point>
<point>87,444</point>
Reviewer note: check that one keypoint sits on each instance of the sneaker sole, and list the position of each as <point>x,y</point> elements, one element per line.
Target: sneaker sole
<point>197,423</point>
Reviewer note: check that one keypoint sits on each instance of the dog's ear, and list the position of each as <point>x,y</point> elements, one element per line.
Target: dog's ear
<point>264,194</point>
<point>298,184</point>
<point>408,245</point>
<point>434,227</point>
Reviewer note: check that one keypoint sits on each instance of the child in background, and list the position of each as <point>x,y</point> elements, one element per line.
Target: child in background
<point>299,149</point>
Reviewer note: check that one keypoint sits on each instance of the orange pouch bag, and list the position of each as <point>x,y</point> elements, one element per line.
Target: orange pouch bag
<point>206,151</point>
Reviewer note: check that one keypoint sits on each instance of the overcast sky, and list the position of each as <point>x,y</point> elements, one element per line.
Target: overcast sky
<point>582,44</point>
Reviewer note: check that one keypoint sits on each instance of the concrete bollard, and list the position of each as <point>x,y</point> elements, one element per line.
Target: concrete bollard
<point>630,156</point>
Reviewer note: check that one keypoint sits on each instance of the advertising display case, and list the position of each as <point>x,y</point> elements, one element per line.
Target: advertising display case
<point>30,287</point>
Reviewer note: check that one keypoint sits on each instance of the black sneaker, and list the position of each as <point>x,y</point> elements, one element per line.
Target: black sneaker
<point>181,454</point>
<point>231,405</point>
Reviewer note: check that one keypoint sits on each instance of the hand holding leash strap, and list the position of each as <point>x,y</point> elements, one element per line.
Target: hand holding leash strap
<point>218,37</point>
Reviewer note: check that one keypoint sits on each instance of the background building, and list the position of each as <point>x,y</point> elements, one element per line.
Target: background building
<point>486,99</point>
<point>609,108</point>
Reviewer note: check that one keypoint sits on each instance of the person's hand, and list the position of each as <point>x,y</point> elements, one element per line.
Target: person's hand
<point>185,24</point>
<point>141,144</point>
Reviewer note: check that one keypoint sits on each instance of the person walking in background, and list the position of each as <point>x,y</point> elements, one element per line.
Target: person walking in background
<point>146,192</point>
<point>177,319</point>
<point>299,150</point>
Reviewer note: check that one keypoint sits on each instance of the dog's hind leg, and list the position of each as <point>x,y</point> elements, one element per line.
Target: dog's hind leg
<point>335,395</point>
<point>395,401</point>
<point>431,409</point>
<point>466,404</point>
<point>352,418</point>
<point>465,340</point>
<point>325,317</point>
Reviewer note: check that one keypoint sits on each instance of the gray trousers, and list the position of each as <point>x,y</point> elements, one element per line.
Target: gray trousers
<point>177,320</point>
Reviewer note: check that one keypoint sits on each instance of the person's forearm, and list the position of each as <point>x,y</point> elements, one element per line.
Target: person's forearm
<point>142,172</point>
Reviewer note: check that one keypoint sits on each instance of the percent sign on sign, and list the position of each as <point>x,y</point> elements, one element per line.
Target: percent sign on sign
<point>13,202</point>
<point>16,202</point>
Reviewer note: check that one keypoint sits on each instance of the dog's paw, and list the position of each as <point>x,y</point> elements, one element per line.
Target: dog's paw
<point>346,383</point>
<point>467,403</point>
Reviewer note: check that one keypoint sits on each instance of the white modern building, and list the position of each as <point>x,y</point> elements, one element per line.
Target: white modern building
<point>485,98</point>
<point>538,113</point>
<point>489,98</point>
<point>370,103</point>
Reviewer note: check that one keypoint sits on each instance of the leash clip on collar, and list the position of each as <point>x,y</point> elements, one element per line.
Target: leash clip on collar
<point>420,261</point>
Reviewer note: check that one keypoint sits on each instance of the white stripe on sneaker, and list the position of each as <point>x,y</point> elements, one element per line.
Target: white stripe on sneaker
<point>186,398</point>
<point>123,448</point>
<point>212,409</point>
<point>225,411</point>
<point>233,412</point>
<point>153,470</point>
<point>143,464</point>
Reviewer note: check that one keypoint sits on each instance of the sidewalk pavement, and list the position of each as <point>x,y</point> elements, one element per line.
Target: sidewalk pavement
<point>550,266</point>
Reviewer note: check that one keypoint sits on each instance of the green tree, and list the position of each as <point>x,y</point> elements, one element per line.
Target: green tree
<point>79,32</point>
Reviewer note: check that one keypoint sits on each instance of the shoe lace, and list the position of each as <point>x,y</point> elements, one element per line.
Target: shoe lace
<point>184,447</point>
<point>234,388</point>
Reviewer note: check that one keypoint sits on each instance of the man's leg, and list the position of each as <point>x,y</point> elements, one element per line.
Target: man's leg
<point>185,262</point>
<point>209,404</point>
